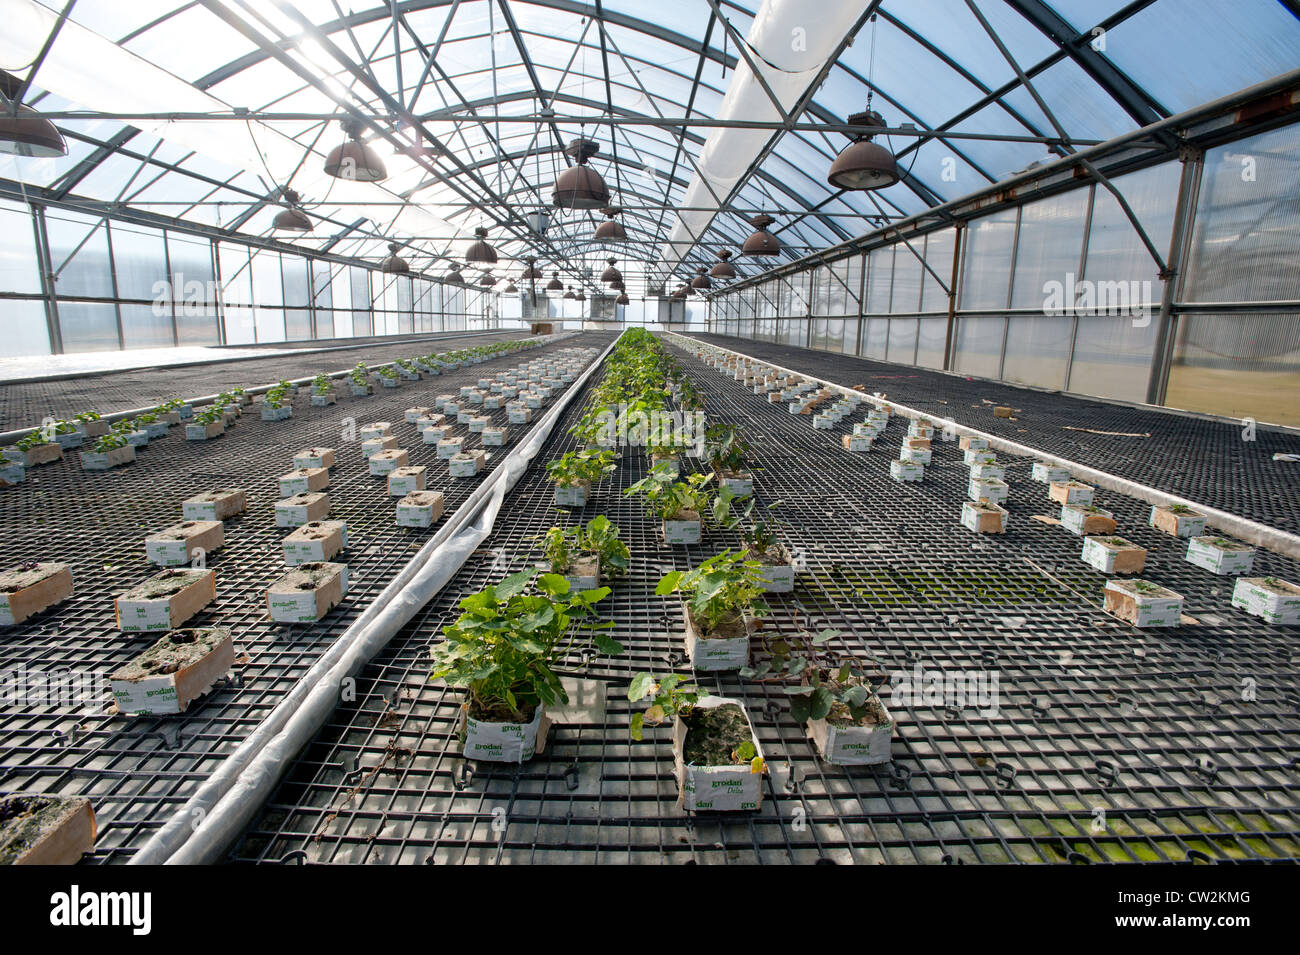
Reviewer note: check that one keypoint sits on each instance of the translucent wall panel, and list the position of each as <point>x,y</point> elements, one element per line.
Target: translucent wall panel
<point>79,255</point>
<point>87,326</point>
<point>148,326</point>
<point>986,257</point>
<point>876,340</point>
<point>239,326</point>
<point>902,340</point>
<point>191,263</point>
<point>236,275</point>
<point>880,276</point>
<point>1050,246</point>
<point>1112,356</point>
<point>1116,252</point>
<point>906,296</point>
<point>979,345</point>
<point>931,335</point>
<point>1246,242</point>
<point>322,300</point>
<point>23,325</point>
<point>1038,347</point>
<point>268,287</point>
<point>833,338</point>
<point>938,256</point>
<point>849,345</point>
<point>270,323</point>
<point>19,269</point>
<point>296,284</point>
<point>140,258</point>
<point>1238,365</point>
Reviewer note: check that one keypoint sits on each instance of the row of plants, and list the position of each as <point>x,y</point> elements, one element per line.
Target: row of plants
<point>717,757</point>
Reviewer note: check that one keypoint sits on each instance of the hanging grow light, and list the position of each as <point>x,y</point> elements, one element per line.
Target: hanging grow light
<point>555,285</point>
<point>532,273</point>
<point>354,159</point>
<point>611,230</point>
<point>611,274</point>
<point>580,186</point>
<point>701,279</point>
<point>291,218</point>
<point>724,269</point>
<point>393,263</point>
<point>481,252</point>
<point>864,165</point>
<point>761,242</point>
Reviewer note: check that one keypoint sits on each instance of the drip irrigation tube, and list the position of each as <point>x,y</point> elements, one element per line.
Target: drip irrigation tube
<point>217,812</point>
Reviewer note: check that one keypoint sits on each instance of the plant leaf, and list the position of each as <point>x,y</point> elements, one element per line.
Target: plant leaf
<point>642,685</point>
<point>514,584</point>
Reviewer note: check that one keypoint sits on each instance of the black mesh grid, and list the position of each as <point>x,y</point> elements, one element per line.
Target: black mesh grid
<point>23,405</point>
<point>1185,739</point>
<point>1198,458</point>
<point>137,771</point>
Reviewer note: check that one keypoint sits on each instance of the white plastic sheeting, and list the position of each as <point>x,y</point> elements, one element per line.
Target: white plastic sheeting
<point>790,42</point>
<point>224,805</point>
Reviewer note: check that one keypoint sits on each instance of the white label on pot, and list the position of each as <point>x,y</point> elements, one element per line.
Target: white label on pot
<point>570,495</point>
<point>1205,554</point>
<point>1185,525</point>
<point>852,745</point>
<point>501,742</point>
<point>464,467</point>
<point>740,486</point>
<point>167,553</point>
<point>682,532</point>
<point>154,695</point>
<point>777,578</point>
<point>1049,473</point>
<point>1278,609</point>
<point>906,470</point>
<point>297,607</point>
<point>137,615</point>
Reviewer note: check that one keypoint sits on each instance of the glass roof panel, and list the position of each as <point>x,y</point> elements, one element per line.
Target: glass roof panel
<point>930,61</point>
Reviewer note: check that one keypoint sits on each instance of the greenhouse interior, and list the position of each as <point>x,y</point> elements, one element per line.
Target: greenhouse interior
<point>712,432</point>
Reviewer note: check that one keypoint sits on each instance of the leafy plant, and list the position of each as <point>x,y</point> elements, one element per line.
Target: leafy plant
<point>670,697</point>
<point>573,467</point>
<point>717,591</point>
<point>760,535</point>
<point>667,498</point>
<point>388,373</point>
<point>208,416</point>
<point>29,441</point>
<point>275,396</point>
<point>844,696</point>
<point>506,645</point>
<point>322,385</point>
<point>146,417</point>
<point>360,374</point>
<point>110,442</point>
<point>558,547</point>
<point>724,448</point>
<point>85,416</point>
<point>600,539</point>
<point>1179,509</point>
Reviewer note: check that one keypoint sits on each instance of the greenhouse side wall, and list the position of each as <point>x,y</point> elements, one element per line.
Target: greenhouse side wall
<point>1061,292</point>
